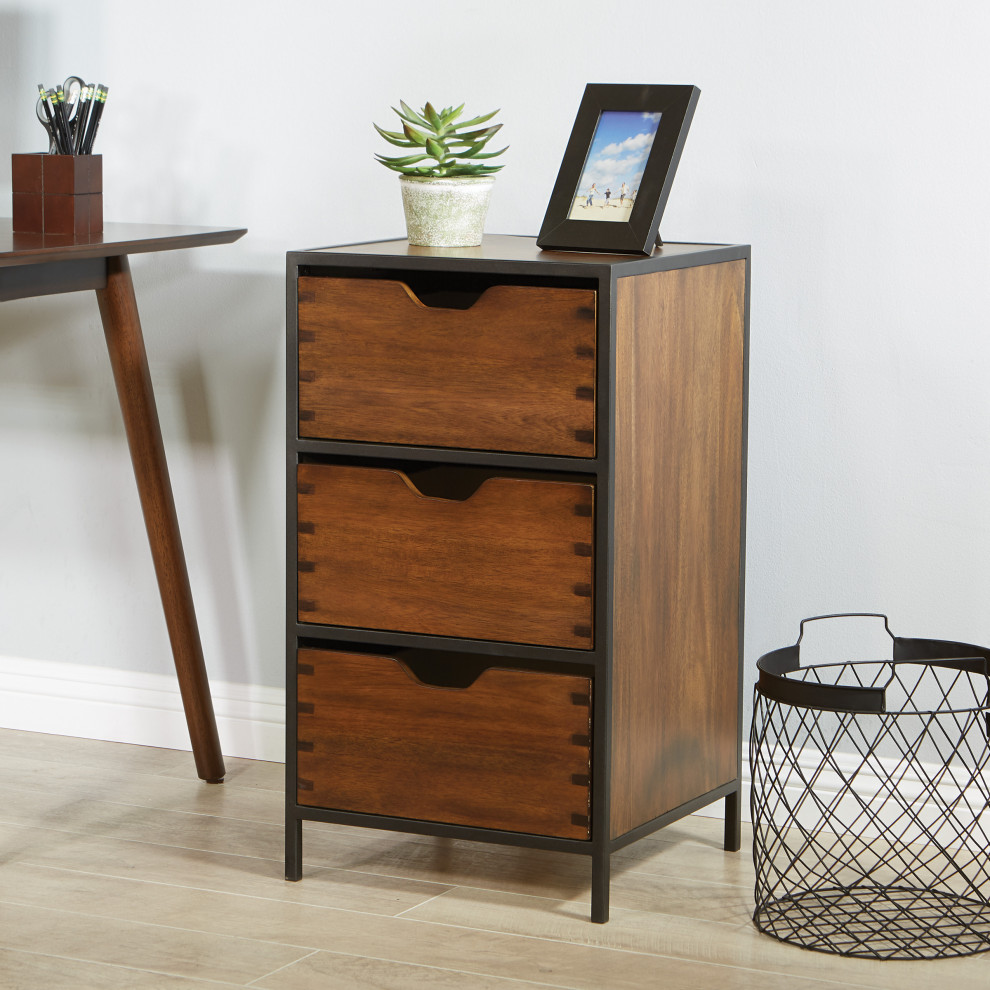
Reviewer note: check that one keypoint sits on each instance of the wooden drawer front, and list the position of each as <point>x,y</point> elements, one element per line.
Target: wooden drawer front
<point>513,562</point>
<point>515,372</point>
<point>512,751</point>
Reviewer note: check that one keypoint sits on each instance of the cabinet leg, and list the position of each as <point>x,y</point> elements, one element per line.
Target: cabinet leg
<point>733,822</point>
<point>293,849</point>
<point>600,874</point>
<point>129,361</point>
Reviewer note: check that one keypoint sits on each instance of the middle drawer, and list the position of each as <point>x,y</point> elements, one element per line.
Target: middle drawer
<point>513,561</point>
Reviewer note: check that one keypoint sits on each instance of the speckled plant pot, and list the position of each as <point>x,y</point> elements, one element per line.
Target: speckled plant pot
<point>446,212</point>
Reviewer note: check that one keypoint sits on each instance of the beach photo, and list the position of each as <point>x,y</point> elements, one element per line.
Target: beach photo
<point>614,166</point>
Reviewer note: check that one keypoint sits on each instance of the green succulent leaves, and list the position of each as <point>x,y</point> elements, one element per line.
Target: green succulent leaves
<point>438,136</point>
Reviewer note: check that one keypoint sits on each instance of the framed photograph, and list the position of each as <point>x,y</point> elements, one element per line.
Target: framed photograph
<point>618,168</point>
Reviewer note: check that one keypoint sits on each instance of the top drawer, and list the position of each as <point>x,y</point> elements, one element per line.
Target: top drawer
<point>514,372</point>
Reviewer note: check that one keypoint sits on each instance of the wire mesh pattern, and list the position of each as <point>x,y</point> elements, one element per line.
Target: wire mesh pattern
<point>870,802</point>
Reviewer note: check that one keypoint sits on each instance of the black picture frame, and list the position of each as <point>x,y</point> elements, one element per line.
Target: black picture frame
<point>638,234</point>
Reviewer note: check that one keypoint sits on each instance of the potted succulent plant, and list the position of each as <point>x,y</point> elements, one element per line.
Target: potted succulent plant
<point>445,179</point>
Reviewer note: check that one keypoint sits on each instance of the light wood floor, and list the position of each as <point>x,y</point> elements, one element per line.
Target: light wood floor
<point>119,869</point>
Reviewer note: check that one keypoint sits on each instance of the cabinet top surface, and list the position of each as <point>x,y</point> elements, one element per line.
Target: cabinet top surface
<point>500,249</point>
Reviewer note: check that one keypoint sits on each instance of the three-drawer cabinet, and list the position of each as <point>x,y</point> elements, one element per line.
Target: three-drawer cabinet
<point>516,503</point>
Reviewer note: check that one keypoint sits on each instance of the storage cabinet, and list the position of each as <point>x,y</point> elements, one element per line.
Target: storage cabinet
<point>516,496</point>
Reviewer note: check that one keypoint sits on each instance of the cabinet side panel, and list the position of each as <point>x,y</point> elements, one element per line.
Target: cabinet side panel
<point>677,531</point>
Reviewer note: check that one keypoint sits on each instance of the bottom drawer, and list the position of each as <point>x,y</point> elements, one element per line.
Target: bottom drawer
<point>510,751</point>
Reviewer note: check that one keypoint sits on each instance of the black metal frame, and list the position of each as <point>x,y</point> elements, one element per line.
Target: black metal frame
<point>876,890</point>
<point>639,234</point>
<point>602,274</point>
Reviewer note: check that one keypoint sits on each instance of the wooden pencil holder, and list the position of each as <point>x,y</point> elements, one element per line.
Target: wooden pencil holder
<point>57,194</point>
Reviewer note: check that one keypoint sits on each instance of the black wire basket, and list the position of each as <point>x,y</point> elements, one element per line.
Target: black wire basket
<point>870,801</point>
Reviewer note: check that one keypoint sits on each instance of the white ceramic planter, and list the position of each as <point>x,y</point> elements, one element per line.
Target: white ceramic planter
<point>446,212</point>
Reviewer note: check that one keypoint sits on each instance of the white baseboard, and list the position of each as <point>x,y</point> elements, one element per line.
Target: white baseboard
<point>127,706</point>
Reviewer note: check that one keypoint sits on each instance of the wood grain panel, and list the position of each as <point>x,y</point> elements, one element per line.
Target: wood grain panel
<point>509,752</point>
<point>515,372</point>
<point>678,480</point>
<point>513,562</point>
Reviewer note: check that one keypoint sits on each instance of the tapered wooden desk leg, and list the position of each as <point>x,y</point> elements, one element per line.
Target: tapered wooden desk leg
<point>118,308</point>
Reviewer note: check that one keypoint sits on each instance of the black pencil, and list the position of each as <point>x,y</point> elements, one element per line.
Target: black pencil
<point>94,119</point>
<point>63,121</point>
<point>82,114</point>
<point>52,97</point>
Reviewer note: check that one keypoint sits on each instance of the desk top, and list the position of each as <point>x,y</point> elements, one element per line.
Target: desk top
<point>116,239</point>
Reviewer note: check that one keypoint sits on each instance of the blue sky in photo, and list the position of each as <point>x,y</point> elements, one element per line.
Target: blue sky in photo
<point>619,150</point>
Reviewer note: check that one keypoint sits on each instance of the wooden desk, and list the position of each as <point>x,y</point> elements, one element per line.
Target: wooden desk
<point>37,265</point>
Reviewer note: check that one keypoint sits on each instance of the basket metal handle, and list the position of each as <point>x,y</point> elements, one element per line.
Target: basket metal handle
<point>846,615</point>
<point>775,685</point>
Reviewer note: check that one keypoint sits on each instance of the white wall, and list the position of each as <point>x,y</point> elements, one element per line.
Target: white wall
<point>847,142</point>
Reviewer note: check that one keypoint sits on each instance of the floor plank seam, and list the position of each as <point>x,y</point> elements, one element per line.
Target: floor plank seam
<point>584,905</point>
<point>110,837</point>
<point>617,875</point>
<point>289,965</point>
<point>120,966</point>
<point>427,966</point>
<point>177,811</point>
<point>201,890</point>
<point>180,928</point>
<point>429,900</point>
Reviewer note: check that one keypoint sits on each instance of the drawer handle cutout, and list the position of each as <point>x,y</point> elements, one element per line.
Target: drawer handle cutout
<point>452,484</point>
<point>444,298</point>
<point>443,672</point>
<point>460,483</point>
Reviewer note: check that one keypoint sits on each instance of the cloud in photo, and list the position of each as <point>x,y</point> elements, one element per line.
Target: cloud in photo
<point>612,171</point>
<point>639,142</point>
